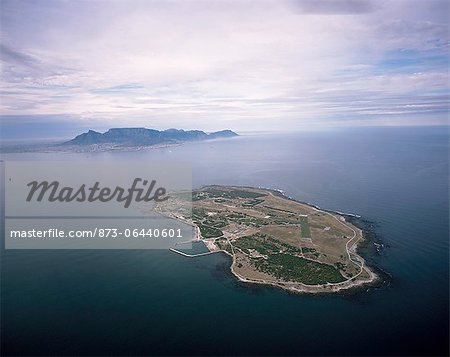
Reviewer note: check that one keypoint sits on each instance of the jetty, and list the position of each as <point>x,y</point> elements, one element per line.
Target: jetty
<point>190,255</point>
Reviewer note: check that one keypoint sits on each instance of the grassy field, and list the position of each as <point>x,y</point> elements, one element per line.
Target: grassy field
<point>306,232</point>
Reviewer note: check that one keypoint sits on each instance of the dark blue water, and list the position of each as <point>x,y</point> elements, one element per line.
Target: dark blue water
<point>156,302</point>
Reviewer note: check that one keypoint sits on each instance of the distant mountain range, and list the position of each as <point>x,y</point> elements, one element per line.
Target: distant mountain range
<point>145,137</point>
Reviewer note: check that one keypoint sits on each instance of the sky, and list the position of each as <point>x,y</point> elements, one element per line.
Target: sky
<point>206,64</point>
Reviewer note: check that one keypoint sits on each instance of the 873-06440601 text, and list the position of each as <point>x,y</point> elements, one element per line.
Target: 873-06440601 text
<point>95,205</point>
<point>98,233</point>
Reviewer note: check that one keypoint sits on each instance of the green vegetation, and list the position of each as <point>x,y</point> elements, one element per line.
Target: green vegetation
<point>199,213</point>
<point>277,209</point>
<point>216,223</point>
<point>236,215</point>
<point>311,251</point>
<point>252,203</point>
<point>209,232</point>
<point>251,221</point>
<point>308,250</point>
<point>208,225</point>
<point>297,269</point>
<point>306,232</point>
<point>264,244</point>
<point>259,242</point>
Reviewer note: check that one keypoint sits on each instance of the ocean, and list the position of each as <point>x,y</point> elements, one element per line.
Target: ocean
<point>143,302</point>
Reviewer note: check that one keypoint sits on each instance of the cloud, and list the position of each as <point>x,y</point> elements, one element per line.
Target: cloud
<point>12,56</point>
<point>209,63</point>
<point>335,7</point>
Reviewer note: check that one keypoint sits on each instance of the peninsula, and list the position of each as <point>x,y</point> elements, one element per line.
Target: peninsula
<point>145,137</point>
<point>121,139</point>
<point>275,240</point>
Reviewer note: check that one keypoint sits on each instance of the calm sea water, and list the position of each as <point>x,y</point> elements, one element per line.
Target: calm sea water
<point>156,302</point>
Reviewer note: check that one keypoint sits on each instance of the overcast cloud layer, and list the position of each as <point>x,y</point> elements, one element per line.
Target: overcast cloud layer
<point>245,65</point>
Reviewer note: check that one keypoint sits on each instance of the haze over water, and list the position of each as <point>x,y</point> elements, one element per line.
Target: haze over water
<point>157,302</point>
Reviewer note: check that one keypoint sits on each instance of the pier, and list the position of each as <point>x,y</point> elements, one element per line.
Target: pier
<point>190,255</point>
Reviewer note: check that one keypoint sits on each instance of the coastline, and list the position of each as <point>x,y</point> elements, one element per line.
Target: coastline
<point>376,276</point>
<point>374,280</point>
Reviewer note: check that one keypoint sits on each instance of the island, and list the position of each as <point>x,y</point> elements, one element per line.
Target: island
<point>273,239</point>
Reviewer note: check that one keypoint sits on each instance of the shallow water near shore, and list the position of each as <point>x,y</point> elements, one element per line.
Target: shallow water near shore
<point>91,302</point>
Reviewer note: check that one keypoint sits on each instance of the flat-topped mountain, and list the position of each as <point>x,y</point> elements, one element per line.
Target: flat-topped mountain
<point>144,136</point>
